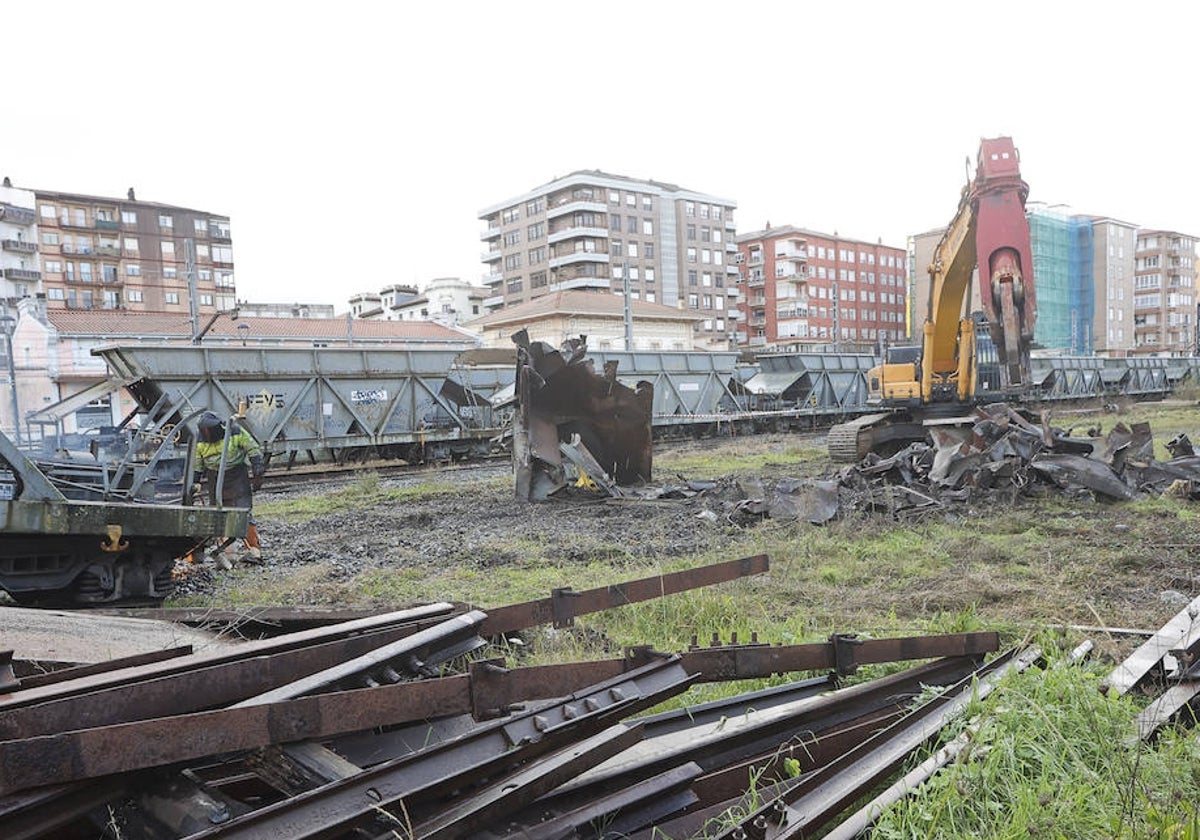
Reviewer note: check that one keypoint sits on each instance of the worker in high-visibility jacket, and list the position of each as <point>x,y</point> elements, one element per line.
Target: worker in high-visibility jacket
<point>243,469</point>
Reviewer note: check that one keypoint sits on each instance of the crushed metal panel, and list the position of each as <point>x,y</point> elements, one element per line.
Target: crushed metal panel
<point>561,397</point>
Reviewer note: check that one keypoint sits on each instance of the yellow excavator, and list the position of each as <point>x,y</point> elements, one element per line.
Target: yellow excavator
<point>937,383</point>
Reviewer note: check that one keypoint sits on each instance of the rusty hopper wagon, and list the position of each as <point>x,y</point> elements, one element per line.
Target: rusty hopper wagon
<point>327,404</point>
<point>105,547</point>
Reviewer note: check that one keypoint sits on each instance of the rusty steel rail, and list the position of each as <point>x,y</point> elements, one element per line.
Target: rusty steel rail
<point>77,671</point>
<point>565,604</point>
<point>463,763</point>
<point>818,797</point>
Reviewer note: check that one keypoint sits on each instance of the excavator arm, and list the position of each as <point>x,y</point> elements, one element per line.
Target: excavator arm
<point>1005,257</point>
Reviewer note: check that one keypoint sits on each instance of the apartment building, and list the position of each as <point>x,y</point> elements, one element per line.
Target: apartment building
<point>20,273</point>
<point>802,288</point>
<point>1164,293</point>
<point>108,253</point>
<point>593,230</point>
<point>1113,264</point>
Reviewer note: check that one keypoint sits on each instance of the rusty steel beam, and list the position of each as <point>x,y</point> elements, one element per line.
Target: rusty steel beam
<point>191,690</point>
<point>268,647</point>
<point>818,797</point>
<point>509,793</point>
<point>120,748</point>
<point>565,604</point>
<point>78,671</point>
<point>496,689</point>
<point>459,765</point>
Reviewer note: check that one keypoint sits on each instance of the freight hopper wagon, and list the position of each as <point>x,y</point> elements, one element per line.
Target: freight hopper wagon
<point>103,544</point>
<point>325,404</point>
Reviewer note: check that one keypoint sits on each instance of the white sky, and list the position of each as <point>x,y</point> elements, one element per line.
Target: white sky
<point>352,144</point>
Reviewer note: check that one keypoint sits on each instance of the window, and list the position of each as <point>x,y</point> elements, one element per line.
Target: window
<point>631,249</point>
<point>49,238</point>
<point>222,254</point>
<point>512,238</point>
<point>536,231</point>
<point>703,211</point>
<point>633,273</point>
<point>630,200</point>
<point>616,247</point>
<point>692,277</point>
<point>706,256</point>
<point>168,250</point>
<point>647,227</point>
<point>512,262</point>
<point>650,275</point>
<point>689,208</point>
<point>131,245</point>
<point>648,250</point>
<point>129,218</point>
<point>510,215</point>
<point>166,222</point>
<point>201,226</point>
<point>693,301</point>
<point>515,285</point>
<point>49,211</point>
<point>647,203</point>
<point>202,252</point>
<point>204,274</point>
<point>133,270</point>
<point>614,221</point>
<point>54,266</point>
<point>706,278</point>
<point>170,272</point>
<point>206,300</point>
<point>691,255</point>
<point>54,294</point>
<point>537,279</point>
<point>614,197</point>
<point>85,272</point>
<point>534,207</point>
<point>171,297</point>
<point>631,224</point>
<point>537,255</point>
<point>691,233</point>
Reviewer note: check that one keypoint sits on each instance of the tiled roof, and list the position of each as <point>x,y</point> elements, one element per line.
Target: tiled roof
<point>118,323</point>
<point>580,303</point>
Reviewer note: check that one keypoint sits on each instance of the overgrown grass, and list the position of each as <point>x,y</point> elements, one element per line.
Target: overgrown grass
<point>1050,756</point>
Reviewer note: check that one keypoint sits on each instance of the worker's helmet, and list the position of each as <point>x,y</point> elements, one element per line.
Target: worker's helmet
<point>211,428</point>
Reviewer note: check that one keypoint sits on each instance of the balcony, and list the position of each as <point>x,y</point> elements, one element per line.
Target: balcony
<point>20,274</point>
<point>19,246</point>
<point>755,258</point>
<point>20,216</point>
<point>491,256</point>
<point>577,205</point>
<point>575,232</point>
<point>107,224</point>
<point>220,233</point>
<point>490,233</point>
<point>109,251</point>
<point>756,278</point>
<point>731,247</point>
<point>581,283</point>
<point>491,279</point>
<point>77,224</point>
<point>579,257</point>
<point>494,301</point>
<point>758,341</point>
<point>791,254</point>
<point>731,269</point>
<point>735,314</point>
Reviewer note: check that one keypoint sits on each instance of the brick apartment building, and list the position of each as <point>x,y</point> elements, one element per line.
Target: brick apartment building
<point>93,252</point>
<point>592,230</point>
<point>802,288</point>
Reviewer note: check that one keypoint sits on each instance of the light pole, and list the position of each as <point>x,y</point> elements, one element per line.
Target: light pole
<point>9,325</point>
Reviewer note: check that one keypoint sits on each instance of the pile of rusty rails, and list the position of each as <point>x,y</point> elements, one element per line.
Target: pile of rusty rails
<point>399,725</point>
<point>78,534</point>
<point>433,403</point>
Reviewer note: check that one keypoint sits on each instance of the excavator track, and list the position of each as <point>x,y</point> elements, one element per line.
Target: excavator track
<point>849,442</point>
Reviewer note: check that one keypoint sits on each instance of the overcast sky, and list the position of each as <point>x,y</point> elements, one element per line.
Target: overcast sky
<point>353,144</point>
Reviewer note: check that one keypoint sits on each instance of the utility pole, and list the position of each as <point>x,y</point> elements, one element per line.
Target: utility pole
<point>9,324</point>
<point>628,312</point>
<point>189,270</point>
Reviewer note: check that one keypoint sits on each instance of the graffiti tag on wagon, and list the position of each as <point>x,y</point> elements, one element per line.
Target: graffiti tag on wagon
<point>369,396</point>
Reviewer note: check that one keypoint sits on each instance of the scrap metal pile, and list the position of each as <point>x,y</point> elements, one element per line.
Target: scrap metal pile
<point>1003,454</point>
<point>397,725</point>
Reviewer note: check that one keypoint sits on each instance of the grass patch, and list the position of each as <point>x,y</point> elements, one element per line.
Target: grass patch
<point>366,491</point>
